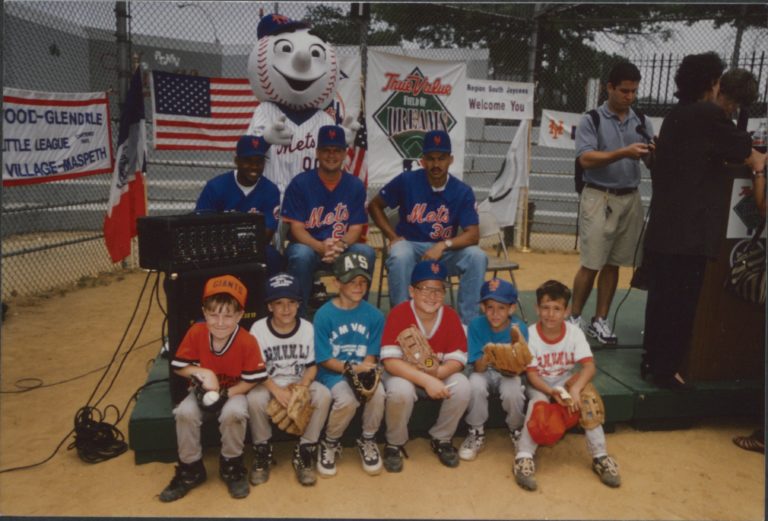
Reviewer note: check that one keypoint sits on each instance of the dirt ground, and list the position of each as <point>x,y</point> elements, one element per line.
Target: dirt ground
<point>66,338</point>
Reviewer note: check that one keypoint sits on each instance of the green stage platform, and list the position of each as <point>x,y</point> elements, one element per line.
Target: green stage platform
<point>628,398</point>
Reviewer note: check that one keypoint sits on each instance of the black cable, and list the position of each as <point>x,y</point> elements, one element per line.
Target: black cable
<point>634,267</point>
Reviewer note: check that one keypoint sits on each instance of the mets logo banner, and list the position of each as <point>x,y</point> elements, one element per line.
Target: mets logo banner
<point>48,136</point>
<point>558,129</point>
<point>405,98</point>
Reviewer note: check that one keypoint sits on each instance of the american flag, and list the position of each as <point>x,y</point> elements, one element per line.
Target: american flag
<point>355,162</point>
<point>200,113</point>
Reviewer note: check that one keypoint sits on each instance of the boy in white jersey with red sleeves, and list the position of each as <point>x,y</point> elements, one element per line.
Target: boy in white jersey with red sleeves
<point>557,346</point>
<point>405,382</point>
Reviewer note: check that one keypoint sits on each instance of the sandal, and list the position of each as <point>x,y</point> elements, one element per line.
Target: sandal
<point>753,442</point>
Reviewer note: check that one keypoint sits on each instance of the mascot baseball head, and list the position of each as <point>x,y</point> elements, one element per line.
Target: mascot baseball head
<point>291,66</point>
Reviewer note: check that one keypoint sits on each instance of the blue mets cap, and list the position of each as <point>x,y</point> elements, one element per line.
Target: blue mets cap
<point>436,141</point>
<point>282,285</point>
<point>429,270</point>
<point>250,146</point>
<point>276,23</point>
<point>499,290</point>
<point>331,136</point>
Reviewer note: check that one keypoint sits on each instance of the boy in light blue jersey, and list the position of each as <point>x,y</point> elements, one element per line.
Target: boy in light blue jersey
<point>498,302</point>
<point>348,331</point>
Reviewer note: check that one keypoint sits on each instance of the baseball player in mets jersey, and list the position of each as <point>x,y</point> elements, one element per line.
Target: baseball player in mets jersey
<point>325,208</point>
<point>432,206</point>
<point>246,190</point>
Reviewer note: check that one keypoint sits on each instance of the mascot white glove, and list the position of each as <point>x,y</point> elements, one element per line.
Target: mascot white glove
<point>351,126</point>
<point>277,133</point>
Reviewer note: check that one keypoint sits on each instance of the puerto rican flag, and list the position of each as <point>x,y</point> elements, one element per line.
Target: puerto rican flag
<point>127,197</point>
<point>200,113</point>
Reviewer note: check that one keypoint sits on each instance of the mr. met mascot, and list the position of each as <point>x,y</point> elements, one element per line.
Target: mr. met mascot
<point>294,75</point>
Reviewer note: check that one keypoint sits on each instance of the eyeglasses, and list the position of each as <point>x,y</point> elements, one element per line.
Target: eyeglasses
<point>431,291</point>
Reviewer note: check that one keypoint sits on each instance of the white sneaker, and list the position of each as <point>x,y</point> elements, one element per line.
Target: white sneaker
<point>577,321</point>
<point>473,443</point>
<point>601,330</point>
<point>326,461</point>
<point>369,455</point>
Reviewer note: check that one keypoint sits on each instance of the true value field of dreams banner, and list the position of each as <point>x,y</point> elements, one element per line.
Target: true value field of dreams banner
<point>54,135</point>
<point>405,98</point>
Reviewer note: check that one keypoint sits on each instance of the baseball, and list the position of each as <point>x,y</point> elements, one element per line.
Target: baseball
<point>210,398</point>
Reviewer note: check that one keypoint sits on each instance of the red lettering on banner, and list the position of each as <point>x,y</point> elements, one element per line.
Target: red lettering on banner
<point>415,85</point>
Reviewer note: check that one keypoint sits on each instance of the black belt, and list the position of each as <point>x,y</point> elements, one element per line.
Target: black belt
<point>614,191</point>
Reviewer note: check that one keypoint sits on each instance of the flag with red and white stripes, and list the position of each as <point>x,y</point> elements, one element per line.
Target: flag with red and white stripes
<point>356,162</point>
<point>200,113</point>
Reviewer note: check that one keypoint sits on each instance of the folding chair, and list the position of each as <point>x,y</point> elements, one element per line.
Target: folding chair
<point>489,228</point>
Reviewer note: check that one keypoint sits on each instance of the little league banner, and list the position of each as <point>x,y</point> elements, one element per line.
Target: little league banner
<point>405,98</point>
<point>499,99</point>
<point>50,136</point>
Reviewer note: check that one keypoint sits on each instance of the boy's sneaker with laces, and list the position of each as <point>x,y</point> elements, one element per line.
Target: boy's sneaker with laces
<point>446,453</point>
<point>262,461</point>
<point>369,455</point>
<point>233,473</point>
<point>525,473</point>
<point>577,321</point>
<point>326,457</point>
<point>608,470</point>
<point>473,443</point>
<point>187,477</point>
<point>393,457</point>
<point>601,330</point>
<point>304,464</point>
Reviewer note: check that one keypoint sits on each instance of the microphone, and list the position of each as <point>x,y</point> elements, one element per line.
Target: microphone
<point>640,129</point>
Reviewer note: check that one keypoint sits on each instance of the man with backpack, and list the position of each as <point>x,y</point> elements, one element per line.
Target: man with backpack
<point>610,142</point>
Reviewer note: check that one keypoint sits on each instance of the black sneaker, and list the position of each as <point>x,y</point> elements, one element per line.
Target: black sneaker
<point>233,473</point>
<point>393,457</point>
<point>326,458</point>
<point>445,452</point>
<point>262,461</point>
<point>303,464</point>
<point>187,477</point>
<point>369,454</point>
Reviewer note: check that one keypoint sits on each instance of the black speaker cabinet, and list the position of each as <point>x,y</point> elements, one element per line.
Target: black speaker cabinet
<point>184,292</point>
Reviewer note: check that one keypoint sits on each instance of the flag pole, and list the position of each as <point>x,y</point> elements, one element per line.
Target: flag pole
<point>526,243</point>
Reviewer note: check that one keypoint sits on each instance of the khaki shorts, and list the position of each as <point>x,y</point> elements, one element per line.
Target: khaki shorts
<point>610,238</point>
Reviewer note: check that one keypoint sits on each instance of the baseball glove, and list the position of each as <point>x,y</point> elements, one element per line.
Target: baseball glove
<point>294,418</point>
<point>209,401</point>
<point>363,384</point>
<point>591,407</point>
<point>416,349</point>
<point>509,359</point>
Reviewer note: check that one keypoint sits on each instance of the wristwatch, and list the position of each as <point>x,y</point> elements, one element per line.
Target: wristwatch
<point>448,244</point>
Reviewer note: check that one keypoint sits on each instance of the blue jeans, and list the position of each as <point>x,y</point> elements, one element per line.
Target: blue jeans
<point>468,263</point>
<point>303,262</point>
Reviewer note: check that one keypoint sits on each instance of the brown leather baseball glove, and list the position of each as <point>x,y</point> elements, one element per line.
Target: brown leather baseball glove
<point>416,349</point>
<point>294,418</point>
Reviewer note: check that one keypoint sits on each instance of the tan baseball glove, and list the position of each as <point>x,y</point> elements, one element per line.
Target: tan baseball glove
<point>591,407</point>
<point>509,359</point>
<point>294,418</point>
<point>416,349</point>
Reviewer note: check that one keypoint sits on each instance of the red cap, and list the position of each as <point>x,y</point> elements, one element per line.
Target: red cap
<point>549,421</point>
<point>226,284</point>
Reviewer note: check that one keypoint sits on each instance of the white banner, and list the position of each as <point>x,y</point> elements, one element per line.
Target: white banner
<point>54,135</point>
<point>347,100</point>
<point>558,129</point>
<point>499,99</point>
<point>505,191</point>
<point>405,98</point>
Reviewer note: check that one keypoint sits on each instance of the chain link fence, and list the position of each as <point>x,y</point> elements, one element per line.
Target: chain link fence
<point>51,232</point>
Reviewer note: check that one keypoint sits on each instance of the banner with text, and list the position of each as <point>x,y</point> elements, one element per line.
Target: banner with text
<point>405,98</point>
<point>49,136</point>
<point>499,99</point>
